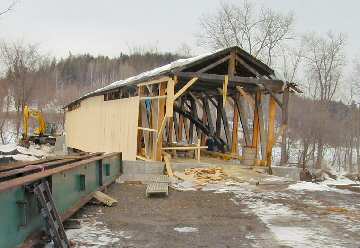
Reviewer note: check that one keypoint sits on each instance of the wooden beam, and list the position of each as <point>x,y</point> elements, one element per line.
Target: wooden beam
<point>152,98</point>
<point>274,84</point>
<point>256,124</point>
<point>263,136</point>
<point>218,116</point>
<point>143,158</point>
<point>169,170</point>
<point>161,121</point>
<point>184,148</point>
<point>247,66</point>
<point>235,135</point>
<point>284,120</point>
<point>186,86</point>
<point>271,131</point>
<point>273,95</point>
<point>220,61</point>
<point>235,127</point>
<point>225,88</point>
<point>155,81</point>
<point>208,114</point>
<point>147,129</point>
<point>247,97</point>
<point>170,98</point>
<point>243,119</point>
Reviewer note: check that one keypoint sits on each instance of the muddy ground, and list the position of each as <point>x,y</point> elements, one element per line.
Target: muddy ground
<point>264,216</point>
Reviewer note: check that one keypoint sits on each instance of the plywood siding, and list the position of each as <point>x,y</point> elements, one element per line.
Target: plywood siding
<point>104,126</point>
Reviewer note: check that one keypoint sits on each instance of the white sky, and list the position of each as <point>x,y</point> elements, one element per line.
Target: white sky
<point>109,27</point>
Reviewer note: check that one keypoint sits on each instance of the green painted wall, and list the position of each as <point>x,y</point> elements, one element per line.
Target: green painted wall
<point>66,193</point>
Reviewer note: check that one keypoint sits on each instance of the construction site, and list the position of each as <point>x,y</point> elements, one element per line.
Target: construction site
<point>228,124</point>
<point>180,151</point>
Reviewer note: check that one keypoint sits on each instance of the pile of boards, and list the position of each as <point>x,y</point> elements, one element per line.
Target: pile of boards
<point>203,176</point>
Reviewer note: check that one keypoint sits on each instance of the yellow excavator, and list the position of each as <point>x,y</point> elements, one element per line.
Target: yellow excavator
<point>43,134</point>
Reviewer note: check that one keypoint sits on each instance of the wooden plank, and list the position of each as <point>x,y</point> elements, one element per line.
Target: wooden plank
<point>143,158</point>
<point>140,133</point>
<point>271,130</point>
<point>167,160</point>
<point>220,61</point>
<point>184,148</point>
<point>225,88</point>
<point>155,81</point>
<point>105,199</point>
<point>147,129</point>
<point>198,154</point>
<point>185,87</point>
<point>152,97</point>
<point>161,121</point>
<point>170,98</point>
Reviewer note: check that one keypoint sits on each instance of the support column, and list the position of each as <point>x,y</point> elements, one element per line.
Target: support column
<point>160,119</point>
<point>235,135</point>
<point>271,131</point>
<point>256,123</point>
<point>284,119</point>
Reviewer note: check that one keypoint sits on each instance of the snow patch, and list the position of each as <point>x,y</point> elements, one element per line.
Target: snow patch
<point>186,229</point>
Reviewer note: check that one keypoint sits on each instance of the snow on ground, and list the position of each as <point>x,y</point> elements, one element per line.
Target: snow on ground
<point>311,225</point>
<point>20,153</point>
<point>95,234</point>
<point>186,229</point>
<point>309,186</point>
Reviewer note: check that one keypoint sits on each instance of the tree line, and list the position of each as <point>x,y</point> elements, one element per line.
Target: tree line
<point>325,118</point>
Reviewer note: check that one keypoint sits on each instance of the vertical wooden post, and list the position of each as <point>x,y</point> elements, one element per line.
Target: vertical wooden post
<point>204,120</point>
<point>256,124</point>
<point>284,117</point>
<point>218,116</point>
<point>160,118</point>
<point>271,131</point>
<point>262,125</point>
<point>181,124</point>
<point>198,151</point>
<point>235,135</point>
<point>139,132</point>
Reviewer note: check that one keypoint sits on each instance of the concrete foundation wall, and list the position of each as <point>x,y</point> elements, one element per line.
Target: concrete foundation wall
<point>140,170</point>
<point>288,172</point>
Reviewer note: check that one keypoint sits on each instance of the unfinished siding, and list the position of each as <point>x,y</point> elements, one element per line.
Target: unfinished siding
<point>104,126</point>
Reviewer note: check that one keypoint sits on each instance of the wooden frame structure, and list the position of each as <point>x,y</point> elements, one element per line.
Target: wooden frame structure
<point>208,99</point>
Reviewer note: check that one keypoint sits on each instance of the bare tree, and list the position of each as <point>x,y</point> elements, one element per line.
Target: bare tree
<point>8,9</point>
<point>324,63</point>
<point>21,62</point>
<point>259,31</point>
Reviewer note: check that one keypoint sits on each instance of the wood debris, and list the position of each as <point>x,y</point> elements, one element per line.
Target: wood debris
<point>204,176</point>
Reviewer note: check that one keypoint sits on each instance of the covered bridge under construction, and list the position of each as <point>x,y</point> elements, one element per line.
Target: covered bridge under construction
<point>215,103</point>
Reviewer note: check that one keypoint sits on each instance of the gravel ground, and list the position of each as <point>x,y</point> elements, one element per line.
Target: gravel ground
<point>231,216</point>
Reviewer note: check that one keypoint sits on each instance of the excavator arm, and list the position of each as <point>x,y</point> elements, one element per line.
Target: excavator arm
<point>40,130</point>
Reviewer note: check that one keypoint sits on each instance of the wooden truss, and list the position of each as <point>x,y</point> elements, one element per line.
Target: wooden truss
<point>186,109</point>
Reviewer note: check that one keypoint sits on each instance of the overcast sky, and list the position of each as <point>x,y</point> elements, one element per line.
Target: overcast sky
<point>112,26</point>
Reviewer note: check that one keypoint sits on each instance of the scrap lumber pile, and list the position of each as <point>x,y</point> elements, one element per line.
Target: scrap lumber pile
<point>203,176</point>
